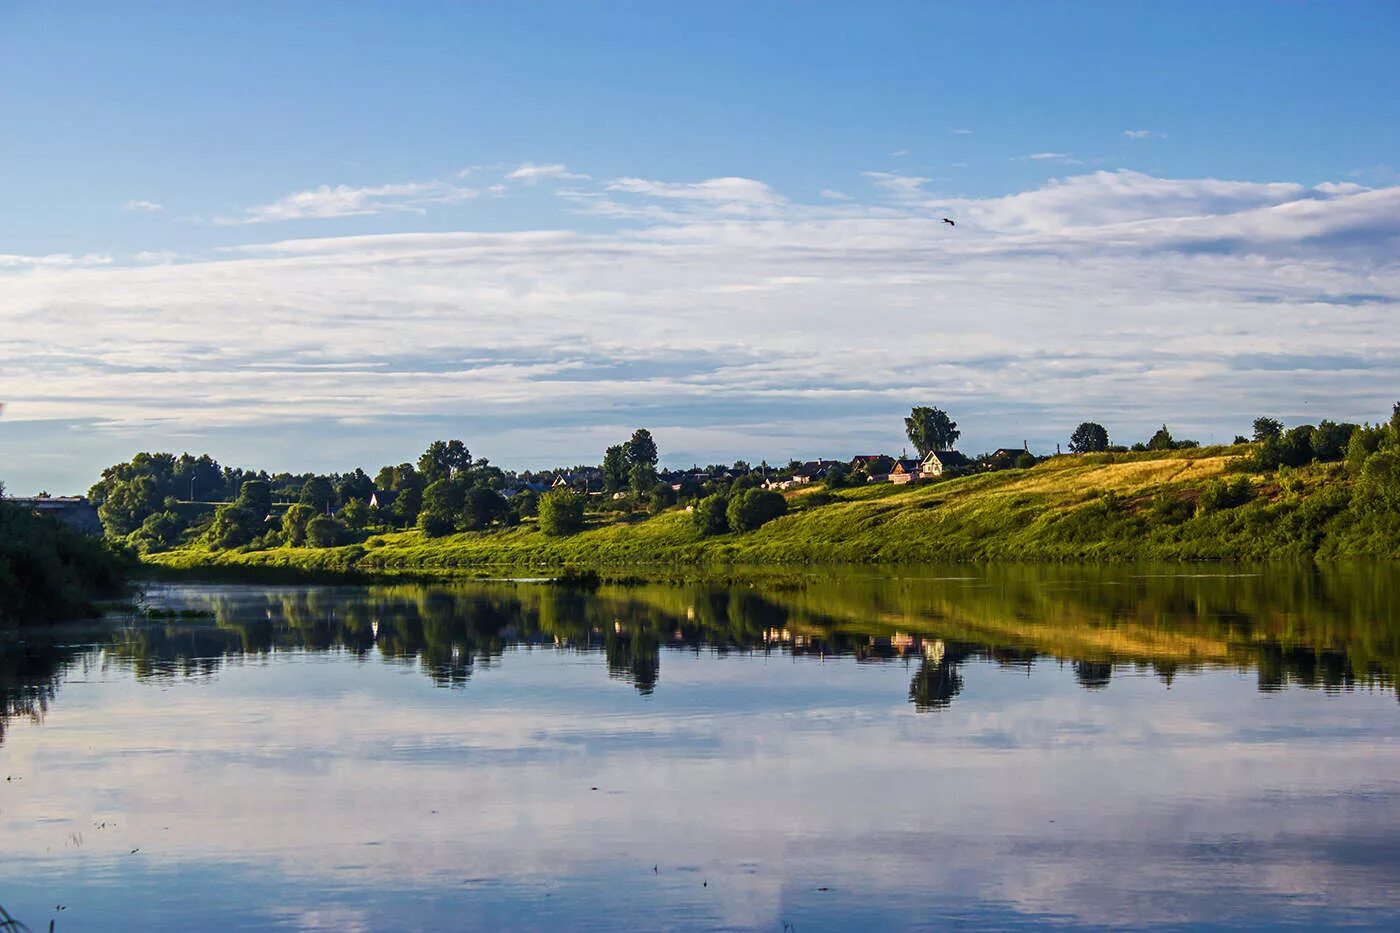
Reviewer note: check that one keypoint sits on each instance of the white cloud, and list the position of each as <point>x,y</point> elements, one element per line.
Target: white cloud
<point>901,185</point>
<point>345,201</point>
<point>1144,134</point>
<point>960,132</point>
<point>1117,294</point>
<point>899,153</point>
<point>530,173</point>
<point>149,207</point>
<point>831,194</point>
<point>1063,158</point>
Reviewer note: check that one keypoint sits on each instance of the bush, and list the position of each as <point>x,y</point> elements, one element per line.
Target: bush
<point>50,572</point>
<point>754,508</point>
<point>434,524</point>
<point>234,526</point>
<point>709,515</point>
<point>294,523</point>
<point>159,532</point>
<point>1025,461</point>
<point>561,512</point>
<point>323,531</point>
<point>1224,494</point>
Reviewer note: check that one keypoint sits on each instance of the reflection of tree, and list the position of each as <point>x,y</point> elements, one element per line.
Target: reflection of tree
<point>935,685</point>
<point>1093,675</point>
<point>634,655</point>
<point>1327,629</point>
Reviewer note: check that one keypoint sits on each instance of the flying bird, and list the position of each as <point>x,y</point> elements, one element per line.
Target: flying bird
<point>949,222</point>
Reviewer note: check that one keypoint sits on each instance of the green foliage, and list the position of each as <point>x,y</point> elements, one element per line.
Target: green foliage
<point>1267,429</point>
<point>444,460</point>
<point>294,523</point>
<point>234,526</point>
<point>318,493</point>
<point>1089,437</point>
<point>526,504</point>
<point>50,572</point>
<point>159,532</point>
<point>616,470</point>
<point>561,512</point>
<point>754,508</point>
<point>255,496</point>
<point>709,515</point>
<point>435,523</point>
<point>931,429</point>
<point>1162,440</point>
<point>641,478</point>
<point>127,503</point>
<point>1224,494</point>
<point>481,507</point>
<point>1025,460</point>
<point>641,449</point>
<point>323,532</point>
<point>355,513</point>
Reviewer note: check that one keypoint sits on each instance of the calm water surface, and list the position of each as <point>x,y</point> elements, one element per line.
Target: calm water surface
<point>915,749</point>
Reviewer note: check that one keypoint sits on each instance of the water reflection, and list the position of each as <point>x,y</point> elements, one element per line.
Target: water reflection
<point>1015,746</point>
<point>1332,629</point>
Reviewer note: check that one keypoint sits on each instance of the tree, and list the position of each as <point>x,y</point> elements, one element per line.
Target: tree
<point>754,508</point>
<point>443,497</point>
<point>294,522</point>
<point>1267,429</point>
<point>1329,441</point>
<point>159,532</point>
<point>709,515</point>
<point>234,525</point>
<point>561,512</point>
<point>1088,438</point>
<point>642,449</point>
<point>642,478</point>
<point>434,523</point>
<point>444,460</point>
<point>323,531</point>
<point>355,486</point>
<point>931,429</point>
<point>1162,440</point>
<point>615,467</point>
<point>255,495</point>
<point>481,506</point>
<point>355,513</point>
<point>318,493</point>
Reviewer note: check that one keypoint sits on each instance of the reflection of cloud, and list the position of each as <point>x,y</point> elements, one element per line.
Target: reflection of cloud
<point>323,770</point>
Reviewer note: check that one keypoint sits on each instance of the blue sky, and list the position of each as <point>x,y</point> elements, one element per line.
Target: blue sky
<point>320,235</point>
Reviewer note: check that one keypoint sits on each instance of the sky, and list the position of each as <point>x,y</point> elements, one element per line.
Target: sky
<point>317,236</point>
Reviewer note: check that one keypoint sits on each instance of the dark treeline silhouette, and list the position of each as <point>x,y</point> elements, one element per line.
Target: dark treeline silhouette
<point>1333,630</point>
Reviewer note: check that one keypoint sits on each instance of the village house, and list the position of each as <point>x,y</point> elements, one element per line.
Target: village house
<point>940,461</point>
<point>905,470</point>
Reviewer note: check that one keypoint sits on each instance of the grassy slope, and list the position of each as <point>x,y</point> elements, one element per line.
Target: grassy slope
<point>1099,507</point>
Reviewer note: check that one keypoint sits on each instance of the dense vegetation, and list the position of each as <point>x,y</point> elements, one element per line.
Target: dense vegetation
<point>49,572</point>
<point>1312,491</point>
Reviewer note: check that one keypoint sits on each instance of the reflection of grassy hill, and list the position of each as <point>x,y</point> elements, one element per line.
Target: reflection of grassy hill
<point>1101,507</point>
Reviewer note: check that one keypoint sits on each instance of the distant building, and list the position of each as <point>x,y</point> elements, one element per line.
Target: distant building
<point>74,511</point>
<point>905,470</point>
<point>940,461</point>
<point>383,498</point>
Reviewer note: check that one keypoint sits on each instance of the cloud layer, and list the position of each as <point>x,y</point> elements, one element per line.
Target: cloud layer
<point>736,320</point>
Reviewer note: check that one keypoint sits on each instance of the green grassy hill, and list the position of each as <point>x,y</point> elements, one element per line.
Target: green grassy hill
<point>1101,507</point>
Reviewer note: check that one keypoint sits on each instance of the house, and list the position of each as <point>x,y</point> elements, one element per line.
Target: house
<point>939,461</point>
<point>1003,458</point>
<point>74,511</point>
<point>812,470</point>
<point>383,498</point>
<point>905,470</point>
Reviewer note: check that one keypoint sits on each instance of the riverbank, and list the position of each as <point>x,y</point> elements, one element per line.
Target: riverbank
<point>1172,506</point>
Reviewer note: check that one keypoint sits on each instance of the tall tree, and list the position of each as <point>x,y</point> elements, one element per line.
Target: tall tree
<point>615,467</point>
<point>1089,437</point>
<point>444,460</point>
<point>641,449</point>
<point>931,429</point>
